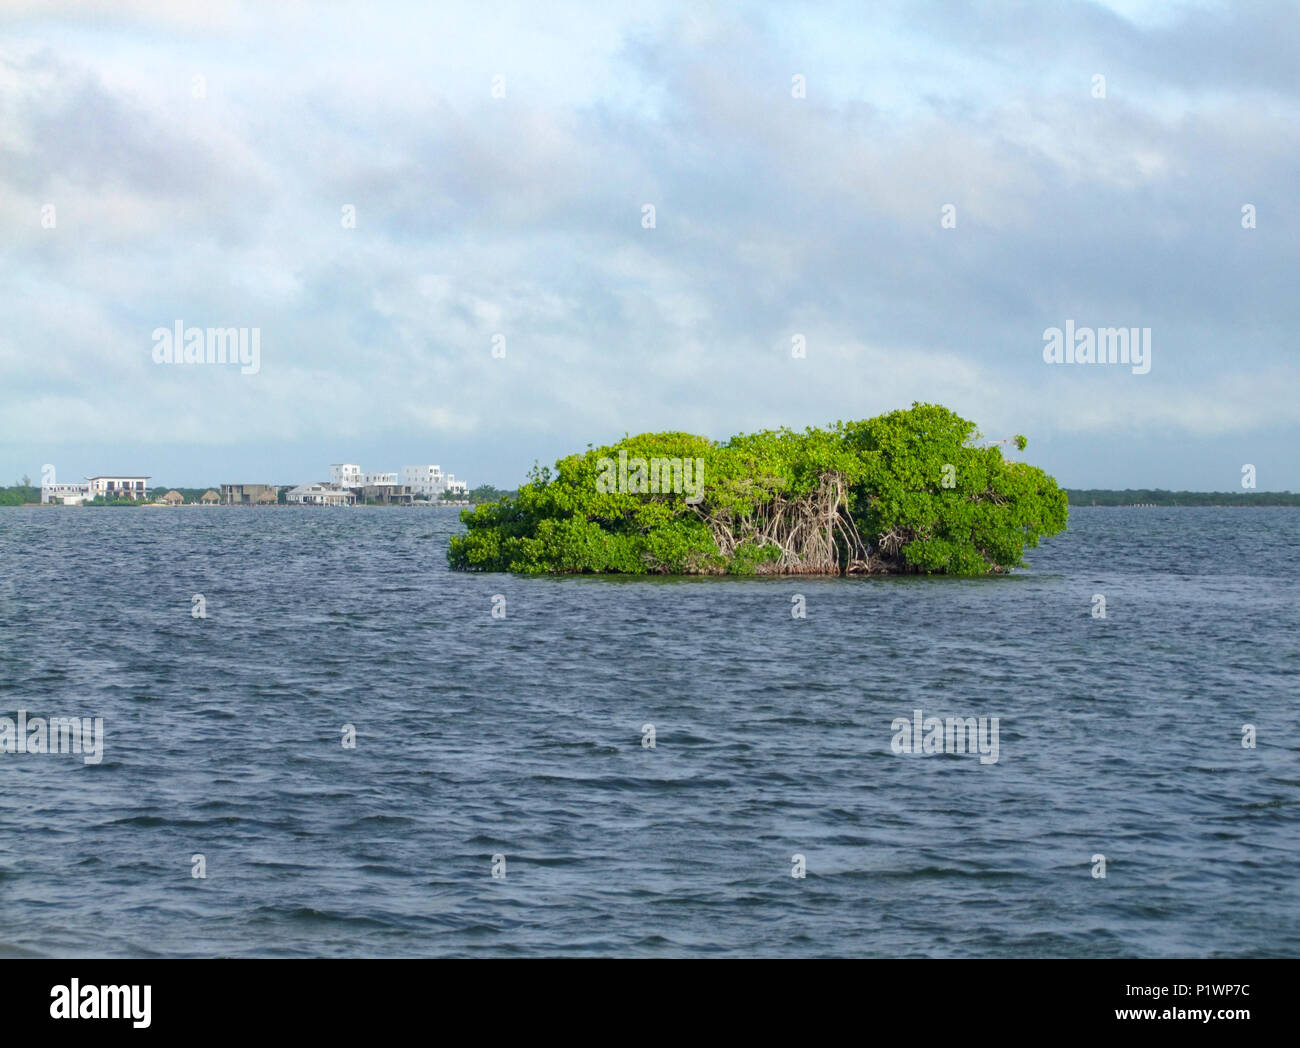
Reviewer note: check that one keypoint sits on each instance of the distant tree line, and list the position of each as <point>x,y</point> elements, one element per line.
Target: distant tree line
<point>23,491</point>
<point>482,494</point>
<point>19,492</point>
<point>1160,497</point>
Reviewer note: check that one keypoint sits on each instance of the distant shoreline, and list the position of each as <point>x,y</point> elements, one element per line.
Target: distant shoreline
<point>128,503</point>
<point>1101,497</point>
<point>1151,498</point>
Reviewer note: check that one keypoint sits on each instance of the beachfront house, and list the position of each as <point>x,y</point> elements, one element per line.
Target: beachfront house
<point>67,494</point>
<point>387,494</point>
<point>430,481</point>
<point>345,475</point>
<point>249,494</point>
<point>382,487</point>
<point>118,487</point>
<point>425,482</point>
<point>320,495</point>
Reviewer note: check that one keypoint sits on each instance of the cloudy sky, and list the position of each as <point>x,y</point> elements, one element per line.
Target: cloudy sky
<point>163,161</point>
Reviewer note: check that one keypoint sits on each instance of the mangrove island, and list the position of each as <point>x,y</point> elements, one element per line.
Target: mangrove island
<point>911,492</point>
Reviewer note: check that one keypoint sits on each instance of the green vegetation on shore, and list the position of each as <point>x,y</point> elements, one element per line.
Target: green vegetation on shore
<point>909,492</point>
<point>100,500</point>
<point>19,492</point>
<point>484,493</point>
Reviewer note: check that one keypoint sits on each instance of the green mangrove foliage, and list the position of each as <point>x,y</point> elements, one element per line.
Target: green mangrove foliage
<point>913,491</point>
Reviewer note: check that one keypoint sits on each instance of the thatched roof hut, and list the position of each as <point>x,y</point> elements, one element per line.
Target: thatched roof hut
<point>209,497</point>
<point>173,498</point>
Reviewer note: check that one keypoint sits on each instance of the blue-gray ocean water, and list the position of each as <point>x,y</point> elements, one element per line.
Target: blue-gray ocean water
<point>523,736</point>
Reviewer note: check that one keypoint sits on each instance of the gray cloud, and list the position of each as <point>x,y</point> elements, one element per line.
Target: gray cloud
<point>775,216</point>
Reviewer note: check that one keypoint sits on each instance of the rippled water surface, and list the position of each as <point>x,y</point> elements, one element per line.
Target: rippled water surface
<point>522,736</point>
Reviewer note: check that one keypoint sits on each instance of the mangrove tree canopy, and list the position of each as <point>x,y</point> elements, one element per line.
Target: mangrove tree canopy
<point>913,491</point>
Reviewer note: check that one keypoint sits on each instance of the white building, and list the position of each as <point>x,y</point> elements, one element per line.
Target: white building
<point>349,475</point>
<point>423,480</point>
<point>428,482</point>
<point>431,481</point>
<point>345,475</point>
<point>68,494</point>
<point>118,487</point>
<point>320,495</point>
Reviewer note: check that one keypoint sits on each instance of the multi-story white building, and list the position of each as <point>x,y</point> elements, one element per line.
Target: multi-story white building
<point>431,481</point>
<point>345,475</point>
<point>118,487</point>
<point>349,475</point>
<point>422,481</point>
<point>114,487</point>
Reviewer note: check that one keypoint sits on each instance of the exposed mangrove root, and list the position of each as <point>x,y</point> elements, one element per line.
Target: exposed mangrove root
<point>814,534</point>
